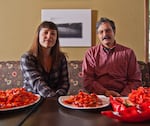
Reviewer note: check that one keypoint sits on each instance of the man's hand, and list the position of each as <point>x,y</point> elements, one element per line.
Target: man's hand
<point>113,93</point>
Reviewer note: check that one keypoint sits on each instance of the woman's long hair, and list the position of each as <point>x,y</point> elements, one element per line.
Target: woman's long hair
<point>55,51</point>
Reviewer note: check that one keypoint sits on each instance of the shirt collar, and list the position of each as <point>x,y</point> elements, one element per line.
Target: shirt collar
<point>109,50</point>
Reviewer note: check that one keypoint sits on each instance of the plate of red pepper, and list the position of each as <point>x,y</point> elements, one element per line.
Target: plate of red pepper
<point>84,100</point>
<point>17,98</point>
<point>134,108</point>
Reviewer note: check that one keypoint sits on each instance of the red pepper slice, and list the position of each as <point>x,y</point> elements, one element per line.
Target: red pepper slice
<point>116,105</point>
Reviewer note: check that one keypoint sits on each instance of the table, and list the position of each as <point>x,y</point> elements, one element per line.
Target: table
<point>51,113</point>
<point>13,118</point>
<point>16,117</point>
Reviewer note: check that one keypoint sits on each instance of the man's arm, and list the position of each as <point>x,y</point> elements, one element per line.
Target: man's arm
<point>133,75</point>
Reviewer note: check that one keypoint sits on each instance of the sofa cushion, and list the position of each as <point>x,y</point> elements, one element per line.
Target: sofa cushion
<point>10,75</point>
<point>75,77</point>
<point>145,73</point>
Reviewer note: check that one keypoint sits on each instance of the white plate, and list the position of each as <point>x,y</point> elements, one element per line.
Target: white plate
<point>105,102</point>
<point>24,106</point>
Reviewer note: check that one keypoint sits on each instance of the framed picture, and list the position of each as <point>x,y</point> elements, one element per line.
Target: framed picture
<point>74,25</point>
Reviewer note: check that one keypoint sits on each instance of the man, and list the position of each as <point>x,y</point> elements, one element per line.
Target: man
<point>110,68</point>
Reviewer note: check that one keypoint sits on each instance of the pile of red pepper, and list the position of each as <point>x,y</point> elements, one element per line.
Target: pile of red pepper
<point>134,108</point>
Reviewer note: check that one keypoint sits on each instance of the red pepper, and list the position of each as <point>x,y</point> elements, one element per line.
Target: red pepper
<point>111,114</point>
<point>128,114</point>
<point>116,105</point>
<point>131,114</point>
<point>145,106</point>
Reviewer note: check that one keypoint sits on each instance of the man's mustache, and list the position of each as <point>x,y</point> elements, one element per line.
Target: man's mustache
<point>107,37</point>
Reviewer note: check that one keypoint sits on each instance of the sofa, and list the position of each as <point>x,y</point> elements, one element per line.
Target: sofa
<point>11,76</point>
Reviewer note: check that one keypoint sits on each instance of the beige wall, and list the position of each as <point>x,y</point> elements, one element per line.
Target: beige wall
<point>19,19</point>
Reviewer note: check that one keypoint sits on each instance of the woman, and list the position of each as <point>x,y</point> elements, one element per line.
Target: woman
<point>44,66</point>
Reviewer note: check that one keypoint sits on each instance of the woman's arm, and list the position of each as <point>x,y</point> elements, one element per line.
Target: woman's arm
<point>64,78</point>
